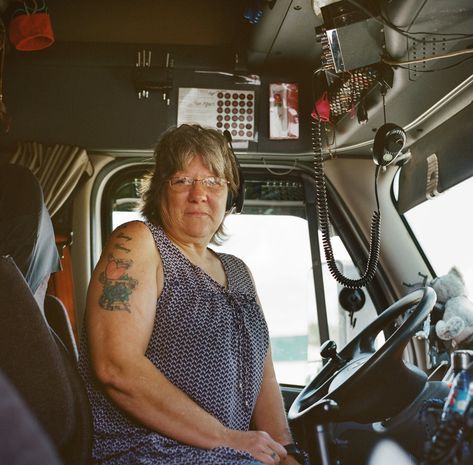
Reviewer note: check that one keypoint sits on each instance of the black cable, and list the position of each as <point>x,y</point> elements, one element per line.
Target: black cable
<point>383,94</point>
<point>322,213</point>
<point>410,35</point>
<point>376,174</point>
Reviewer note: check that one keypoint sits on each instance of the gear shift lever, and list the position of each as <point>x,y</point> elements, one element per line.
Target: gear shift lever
<point>329,350</point>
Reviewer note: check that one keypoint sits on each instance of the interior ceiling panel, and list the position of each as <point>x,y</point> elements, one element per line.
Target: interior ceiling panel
<point>178,22</point>
<point>218,23</point>
<point>286,34</point>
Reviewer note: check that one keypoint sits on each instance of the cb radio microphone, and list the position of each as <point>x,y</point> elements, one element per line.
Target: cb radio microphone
<point>388,143</point>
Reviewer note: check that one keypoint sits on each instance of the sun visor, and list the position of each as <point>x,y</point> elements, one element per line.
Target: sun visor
<point>441,159</point>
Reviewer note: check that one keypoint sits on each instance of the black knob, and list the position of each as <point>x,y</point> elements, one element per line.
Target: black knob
<point>329,406</point>
<point>351,300</point>
<point>329,350</point>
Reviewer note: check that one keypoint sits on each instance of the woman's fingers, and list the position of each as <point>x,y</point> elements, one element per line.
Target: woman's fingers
<point>260,445</point>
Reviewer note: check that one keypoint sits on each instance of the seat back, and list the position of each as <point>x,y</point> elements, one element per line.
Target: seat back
<point>32,356</point>
<point>41,369</point>
<point>22,440</point>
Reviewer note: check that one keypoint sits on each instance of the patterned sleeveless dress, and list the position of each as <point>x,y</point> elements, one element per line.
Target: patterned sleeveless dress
<point>208,340</point>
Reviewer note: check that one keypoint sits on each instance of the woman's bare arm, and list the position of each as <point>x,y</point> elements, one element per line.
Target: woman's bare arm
<point>269,414</point>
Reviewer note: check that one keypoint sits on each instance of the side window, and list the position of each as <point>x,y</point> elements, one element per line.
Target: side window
<point>272,237</point>
<point>455,230</point>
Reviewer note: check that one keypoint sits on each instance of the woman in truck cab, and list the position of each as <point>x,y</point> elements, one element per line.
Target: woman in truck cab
<point>176,354</point>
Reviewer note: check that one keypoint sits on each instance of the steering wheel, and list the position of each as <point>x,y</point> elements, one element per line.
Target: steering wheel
<point>367,384</point>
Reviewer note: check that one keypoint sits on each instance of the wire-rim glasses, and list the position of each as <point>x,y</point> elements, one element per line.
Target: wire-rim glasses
<point>185,183</point>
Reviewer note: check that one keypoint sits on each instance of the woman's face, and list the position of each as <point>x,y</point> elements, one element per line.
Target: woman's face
<point>196,213</point>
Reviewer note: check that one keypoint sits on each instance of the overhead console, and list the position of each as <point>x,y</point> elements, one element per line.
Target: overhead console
<point>122,96</point>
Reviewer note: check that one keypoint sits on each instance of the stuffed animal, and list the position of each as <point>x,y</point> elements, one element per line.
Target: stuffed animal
<point>456,324</point>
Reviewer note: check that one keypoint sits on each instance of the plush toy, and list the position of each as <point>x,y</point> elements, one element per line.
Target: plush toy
<point>456,324</point>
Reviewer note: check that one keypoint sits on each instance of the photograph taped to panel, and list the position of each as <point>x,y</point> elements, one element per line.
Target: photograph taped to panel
<point>283,111</point>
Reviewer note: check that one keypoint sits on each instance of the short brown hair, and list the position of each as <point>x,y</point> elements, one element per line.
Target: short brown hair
<point>175,149</point>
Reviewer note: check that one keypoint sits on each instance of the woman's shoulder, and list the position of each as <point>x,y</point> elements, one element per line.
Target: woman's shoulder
<point>228,257</point>
<point>239,275</point>
<point>131,236</point>
<point>234,263</point>
<point>131,229</point>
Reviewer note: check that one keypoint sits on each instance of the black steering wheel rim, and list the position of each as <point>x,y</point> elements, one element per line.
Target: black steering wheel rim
<point>358,396</point>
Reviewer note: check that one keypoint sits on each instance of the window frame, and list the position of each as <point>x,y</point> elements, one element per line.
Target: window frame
<point>347,229</point>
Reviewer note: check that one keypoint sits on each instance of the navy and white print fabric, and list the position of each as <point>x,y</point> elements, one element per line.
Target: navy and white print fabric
<point>208,340</point>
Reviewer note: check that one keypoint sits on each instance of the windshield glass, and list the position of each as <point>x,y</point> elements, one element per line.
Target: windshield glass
<point>444,228</point>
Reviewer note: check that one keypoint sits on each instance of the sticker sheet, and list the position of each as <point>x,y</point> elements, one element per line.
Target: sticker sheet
<point>219,108</point>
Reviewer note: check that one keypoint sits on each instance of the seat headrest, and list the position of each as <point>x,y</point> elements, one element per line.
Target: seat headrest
<point>26,230</point>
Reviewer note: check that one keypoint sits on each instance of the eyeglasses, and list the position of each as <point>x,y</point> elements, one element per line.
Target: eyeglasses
<point>184,183</point>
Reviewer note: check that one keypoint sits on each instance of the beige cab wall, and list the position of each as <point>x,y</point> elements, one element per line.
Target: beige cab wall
<point>354,181</point>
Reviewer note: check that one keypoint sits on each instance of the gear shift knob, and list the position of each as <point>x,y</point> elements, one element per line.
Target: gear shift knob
<point>329,350</point>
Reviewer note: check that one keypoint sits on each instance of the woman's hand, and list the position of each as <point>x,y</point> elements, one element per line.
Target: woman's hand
<point>259,444</point>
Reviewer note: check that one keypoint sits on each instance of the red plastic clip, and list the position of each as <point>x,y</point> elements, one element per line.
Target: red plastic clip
<point>321,111</point>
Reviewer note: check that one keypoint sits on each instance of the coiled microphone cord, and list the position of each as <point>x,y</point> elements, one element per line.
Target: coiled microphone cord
<point>322,213</point>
